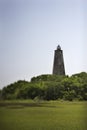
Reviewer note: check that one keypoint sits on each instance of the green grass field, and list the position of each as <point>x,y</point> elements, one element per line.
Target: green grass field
<point>46,115</point>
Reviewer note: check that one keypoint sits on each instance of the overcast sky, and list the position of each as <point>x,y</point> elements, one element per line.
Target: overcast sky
<point>30,31</point>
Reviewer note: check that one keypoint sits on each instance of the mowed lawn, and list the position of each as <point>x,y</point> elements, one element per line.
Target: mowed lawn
<point>47,115</point>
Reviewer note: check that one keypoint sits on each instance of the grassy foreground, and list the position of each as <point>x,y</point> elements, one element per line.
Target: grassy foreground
<point>47,115</point>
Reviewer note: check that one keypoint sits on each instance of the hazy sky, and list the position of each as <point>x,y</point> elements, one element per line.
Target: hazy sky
<point>30,31</point>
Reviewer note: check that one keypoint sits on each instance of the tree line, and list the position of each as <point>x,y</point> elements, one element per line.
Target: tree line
<point>48,87</point>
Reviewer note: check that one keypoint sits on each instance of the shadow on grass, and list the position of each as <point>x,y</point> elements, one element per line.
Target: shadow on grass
<point>22,105</point>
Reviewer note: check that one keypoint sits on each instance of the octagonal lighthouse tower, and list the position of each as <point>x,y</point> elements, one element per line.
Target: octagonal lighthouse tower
<point>58,66</point>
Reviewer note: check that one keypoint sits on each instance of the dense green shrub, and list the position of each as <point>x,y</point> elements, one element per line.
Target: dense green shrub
<point>48,87</point>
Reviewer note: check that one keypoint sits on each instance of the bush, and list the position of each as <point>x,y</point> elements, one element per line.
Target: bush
<point>48,87</point>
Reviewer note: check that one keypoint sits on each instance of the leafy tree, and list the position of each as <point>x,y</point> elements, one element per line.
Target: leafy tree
<point>48,87</point>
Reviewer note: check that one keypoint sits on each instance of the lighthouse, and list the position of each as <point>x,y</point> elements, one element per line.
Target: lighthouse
<point>58,65</point>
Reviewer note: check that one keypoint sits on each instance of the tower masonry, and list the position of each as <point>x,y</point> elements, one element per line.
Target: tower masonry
<point>58,66</point>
